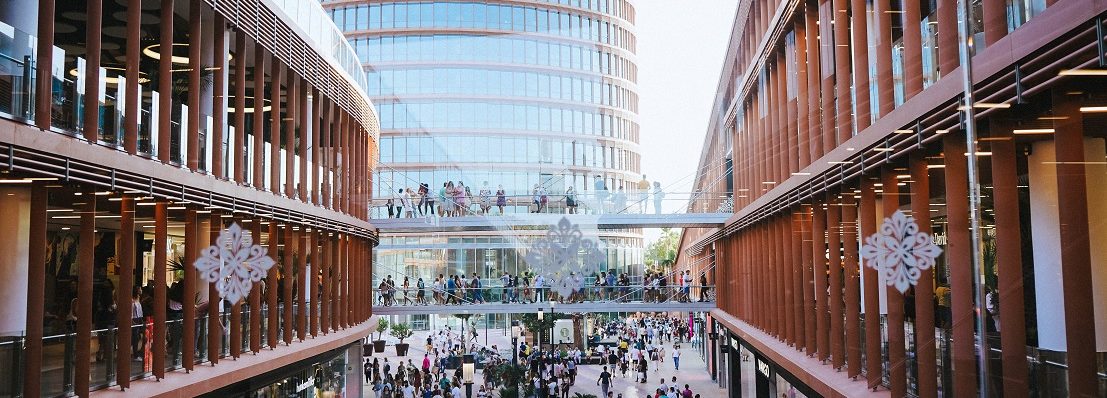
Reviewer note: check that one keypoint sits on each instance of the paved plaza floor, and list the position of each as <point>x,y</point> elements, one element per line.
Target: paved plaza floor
<point>693,370</point>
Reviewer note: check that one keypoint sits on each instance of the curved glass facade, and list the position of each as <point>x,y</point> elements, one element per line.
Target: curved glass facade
<point>512,93</point>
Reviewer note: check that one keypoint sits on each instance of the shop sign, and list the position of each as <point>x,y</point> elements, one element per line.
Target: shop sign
<point>763,368</point>
<point>306,384</point>
<point>899,251</point>
<point>233,263</point>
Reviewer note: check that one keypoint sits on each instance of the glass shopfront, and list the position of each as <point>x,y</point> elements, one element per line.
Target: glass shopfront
<point>324,376</point>
<point>748,373</point>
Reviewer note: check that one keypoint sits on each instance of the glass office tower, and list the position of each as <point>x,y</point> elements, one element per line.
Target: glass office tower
<point>512,93</point>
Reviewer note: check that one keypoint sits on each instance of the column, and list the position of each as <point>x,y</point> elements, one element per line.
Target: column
<point>834,250</point>
<point>852,281</point>
<point>882,48</point>
<point>325,316</point>
<point>126,261</point>
<point>161,238</point>
<point>897,370</point>
<point>1067,233</point>
<point>275,132</point>
<point>808,283</point>
<point>995,27</point>
<point>870,281</point>
<point>219,100</point>
<point>788,270</point>
<point>959,257</point>
<point>1009,259</point>
<point>271,286</point>
<point>240,110</point>
<point>195,43</point>
<point>803,108</point>
<point>133,53</point>
<point>797,262</point>
<point>912,48</point>
<point>843,82</point>
<point>814,77</point>
<point>92,71</point>
<point>860,29</point>
<point>44,85</point>
<point>924,292</point>
<point>287,273</point>
<point>215,337</point>
<point>301,282</point>
<point>235,337</point>
<point>259,120</point>
<point>85,258</point>
<point>36,288</point>
<point>188,323</point>
<point>947,37</point>
<point>165,82</point>
<point>304,119</point>
<point>818,257</point>
<point>291,119</point>
<point>316,147</point>
<point>255,293</point>
<point>316,266</point>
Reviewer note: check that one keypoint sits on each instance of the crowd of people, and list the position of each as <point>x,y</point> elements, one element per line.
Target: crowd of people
<point>455,200</point>
<point>631,349</point>
<point>527,287</point>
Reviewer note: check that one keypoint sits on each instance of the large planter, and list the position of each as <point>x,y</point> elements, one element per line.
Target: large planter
<point>401,349</point>
<point>378,346</point>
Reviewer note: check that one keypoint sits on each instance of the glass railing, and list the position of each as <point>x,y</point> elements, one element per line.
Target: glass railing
<point>552,203</point>
<point>17,72</point>
<point>505,295</point>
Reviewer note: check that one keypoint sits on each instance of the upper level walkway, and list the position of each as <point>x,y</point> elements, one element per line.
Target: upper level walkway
<point>497,300</point>
<point>530,308</point>
<point>542,221</point>
<point>522,212</point>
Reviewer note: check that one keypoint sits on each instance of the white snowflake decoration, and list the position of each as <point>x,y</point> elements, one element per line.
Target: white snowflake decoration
<point>233,263</point>
<point>565,257</point>
<point>899,251</point>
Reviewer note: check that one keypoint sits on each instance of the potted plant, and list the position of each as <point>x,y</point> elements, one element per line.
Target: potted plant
<point>378,344</point>
<point>401,331</point>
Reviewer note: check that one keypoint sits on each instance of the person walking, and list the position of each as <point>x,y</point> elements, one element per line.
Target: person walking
<point>643,194</point>
<point>442,203</point>
<point>485,195</point>
<point>658,196</point>
<point>571,200</point>
<point>501,199</point>
<point>619,200</point>
<point>604,381</point>
<point>601,193</point>
<point>398,200</point>
<point>676,356</point>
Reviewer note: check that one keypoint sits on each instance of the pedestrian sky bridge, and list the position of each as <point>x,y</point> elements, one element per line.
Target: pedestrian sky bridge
<point>530,212</point>
<point>542,221</point>
<point>530,308</point>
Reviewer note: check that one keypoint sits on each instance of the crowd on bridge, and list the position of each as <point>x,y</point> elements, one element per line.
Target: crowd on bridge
<point>455,200</point>
<point>529,287</point>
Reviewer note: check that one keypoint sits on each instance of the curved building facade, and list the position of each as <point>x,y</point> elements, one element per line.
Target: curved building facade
<point>512,93</point>
<point>135,134</point>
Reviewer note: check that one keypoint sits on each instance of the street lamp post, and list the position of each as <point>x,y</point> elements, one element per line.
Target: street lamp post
<point>714,371</point>
<point>468,367</point>
<point>516,332</point>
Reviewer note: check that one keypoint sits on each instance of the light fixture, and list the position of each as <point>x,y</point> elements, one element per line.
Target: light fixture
<point>468,368</point>
<point>1034,131</point>
<point>142,79</point>
<point>14,181</point>
<point>516,331</point>
<point>1093,109</point>
<point>152,52</point>
<point>540,314</point>
<point>1083,72</point>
